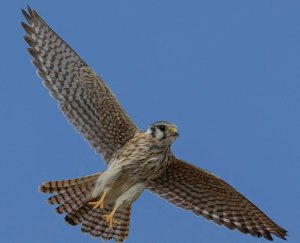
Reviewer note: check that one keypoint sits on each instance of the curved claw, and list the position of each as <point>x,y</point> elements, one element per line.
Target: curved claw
<point>99,203</point>
<point>110,221</point>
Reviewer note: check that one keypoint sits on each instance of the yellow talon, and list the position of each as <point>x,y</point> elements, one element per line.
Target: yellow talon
<point>109,218</point>
<point>100,202</point>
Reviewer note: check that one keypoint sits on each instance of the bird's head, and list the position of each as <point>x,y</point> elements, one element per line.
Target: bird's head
<point>163,131</point>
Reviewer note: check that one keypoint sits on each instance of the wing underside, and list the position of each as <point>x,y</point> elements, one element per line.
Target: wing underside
<point>205,194</point>
<point>83,97</point>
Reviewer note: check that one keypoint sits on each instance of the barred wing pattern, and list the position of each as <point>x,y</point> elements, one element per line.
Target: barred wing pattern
<point>83,97</point>
<point>194,189</point>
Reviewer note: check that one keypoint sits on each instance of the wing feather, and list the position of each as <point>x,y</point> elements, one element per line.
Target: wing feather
<point>205,194</point>
<point>83,97</point>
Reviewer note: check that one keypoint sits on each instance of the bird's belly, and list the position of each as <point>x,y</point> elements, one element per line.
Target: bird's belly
<point>122,175</point>
<point>118,188</point>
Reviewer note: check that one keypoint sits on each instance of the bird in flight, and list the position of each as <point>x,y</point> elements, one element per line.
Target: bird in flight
<point>136,160</point>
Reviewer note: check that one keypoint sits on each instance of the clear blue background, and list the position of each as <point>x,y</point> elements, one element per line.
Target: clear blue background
<point>226,72</point>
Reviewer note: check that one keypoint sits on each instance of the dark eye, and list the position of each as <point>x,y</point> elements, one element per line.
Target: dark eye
<point>162,127</point>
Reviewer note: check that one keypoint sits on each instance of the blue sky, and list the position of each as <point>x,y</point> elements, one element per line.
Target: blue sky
<point>226,72</point>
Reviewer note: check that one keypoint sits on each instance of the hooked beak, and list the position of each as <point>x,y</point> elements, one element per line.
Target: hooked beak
<point>173,131</point>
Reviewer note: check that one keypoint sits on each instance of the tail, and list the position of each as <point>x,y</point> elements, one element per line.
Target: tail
<point>73,196</point>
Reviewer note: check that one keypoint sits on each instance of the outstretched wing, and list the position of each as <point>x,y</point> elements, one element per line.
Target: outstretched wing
<point>205,194</point>
<point>84,98</point>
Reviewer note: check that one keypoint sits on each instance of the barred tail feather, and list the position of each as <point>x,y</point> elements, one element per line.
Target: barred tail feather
<point>73,196</point>
<point>69,195</point>
<point>54,187</point>
<point>97,227</point>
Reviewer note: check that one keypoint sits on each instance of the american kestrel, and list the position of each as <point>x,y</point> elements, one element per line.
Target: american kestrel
<point>136,160</point>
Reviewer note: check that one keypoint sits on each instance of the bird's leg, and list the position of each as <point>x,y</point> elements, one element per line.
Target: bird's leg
<point>109,218</point>
<point>100,202</point>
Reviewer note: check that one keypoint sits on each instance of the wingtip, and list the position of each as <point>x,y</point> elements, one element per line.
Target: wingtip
<point>29,9</point>
<point>23,11</point>
<point>284,235</point>
<point>29,13</point>
<point>281,233</point>
<point>25,26</point>
<point>25,14</point>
